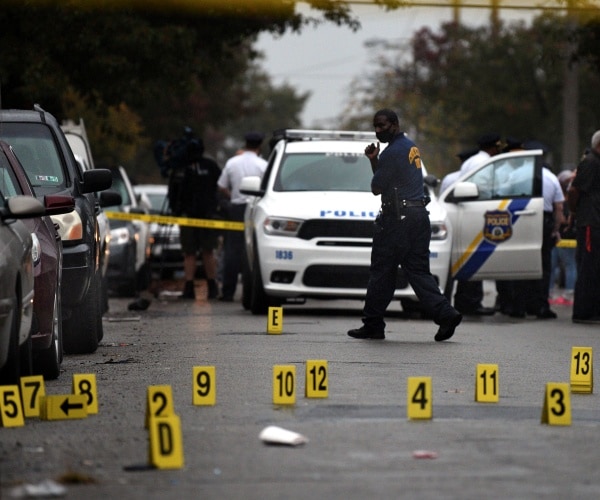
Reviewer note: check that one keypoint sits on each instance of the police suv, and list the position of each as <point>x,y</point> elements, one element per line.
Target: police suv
<point>309,223</point>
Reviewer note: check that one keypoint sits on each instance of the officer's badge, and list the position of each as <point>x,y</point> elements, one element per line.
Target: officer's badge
<point>498,227</point>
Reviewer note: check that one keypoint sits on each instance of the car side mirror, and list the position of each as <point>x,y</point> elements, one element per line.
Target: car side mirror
<point>251,186</point>
<point>431,181</point>
<point>96,179</point>
<point>22,207</point>
<point>110,199</point>
<point>463,191</point>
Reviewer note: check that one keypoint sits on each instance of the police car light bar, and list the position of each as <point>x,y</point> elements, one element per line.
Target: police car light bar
<point>307,134</point>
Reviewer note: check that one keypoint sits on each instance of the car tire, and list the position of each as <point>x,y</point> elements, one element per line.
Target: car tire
<point>258,297</point>
<point>48,361</point>
<point>81,330</point>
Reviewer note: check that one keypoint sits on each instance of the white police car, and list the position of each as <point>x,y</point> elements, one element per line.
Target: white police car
<point>308,227</point>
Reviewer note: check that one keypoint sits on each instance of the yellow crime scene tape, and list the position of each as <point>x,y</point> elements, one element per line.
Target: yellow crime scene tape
<point>182,221</point>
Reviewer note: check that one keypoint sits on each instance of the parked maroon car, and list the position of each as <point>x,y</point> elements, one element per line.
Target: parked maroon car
<point>46,329</point>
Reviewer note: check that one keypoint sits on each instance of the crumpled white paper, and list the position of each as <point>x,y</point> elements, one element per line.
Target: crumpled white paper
<point>47,488</point>
<point>277,435</point>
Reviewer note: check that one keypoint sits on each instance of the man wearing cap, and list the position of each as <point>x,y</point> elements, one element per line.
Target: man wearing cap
<point>489,145</point>
<point>246,163</point>
<point>584,203</point>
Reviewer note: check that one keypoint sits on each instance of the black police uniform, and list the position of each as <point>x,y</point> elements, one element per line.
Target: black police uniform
<point>401,238</point>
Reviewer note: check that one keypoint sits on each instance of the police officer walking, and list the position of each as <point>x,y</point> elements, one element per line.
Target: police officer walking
<point>402,233</point>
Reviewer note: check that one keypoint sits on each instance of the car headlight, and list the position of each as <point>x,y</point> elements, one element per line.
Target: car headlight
<point>69,226</point>
<point>439,231</point>
<point>119,236</point>
<point>280,226</point>
<point>36,249</point>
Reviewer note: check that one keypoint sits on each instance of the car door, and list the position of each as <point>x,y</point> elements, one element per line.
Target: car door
<point>496,215</point>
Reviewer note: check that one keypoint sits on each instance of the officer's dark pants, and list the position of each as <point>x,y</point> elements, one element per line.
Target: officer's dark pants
<point>535,292</point>
<point>468,296</point>
<point>586,303</point>
<point>233,252</point>
<point>402,243</point>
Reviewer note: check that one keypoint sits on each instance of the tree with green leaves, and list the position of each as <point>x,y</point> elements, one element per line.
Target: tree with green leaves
<point>460,82</point>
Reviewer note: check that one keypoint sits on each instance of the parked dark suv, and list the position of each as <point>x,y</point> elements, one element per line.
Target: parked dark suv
<point>51,167</point>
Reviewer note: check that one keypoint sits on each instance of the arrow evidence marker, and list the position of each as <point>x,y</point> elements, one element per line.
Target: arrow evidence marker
<point>557,404</point>
<point>166,442</point>
<point>32,389</point>
<point>11,409</point>
<point>85,384</point>
<point>275,320</point>
<point>63,407</point>
<point>486,384</point>
<point>204,383</point>
<point>419,404</point>
<point>582,370</point>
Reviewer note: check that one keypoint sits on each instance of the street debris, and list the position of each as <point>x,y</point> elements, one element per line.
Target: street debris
<point>276,435</point>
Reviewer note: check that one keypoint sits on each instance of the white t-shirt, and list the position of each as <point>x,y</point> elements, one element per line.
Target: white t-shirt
<point>243,165</point>
<point>551,190</point>
<point>474,161</point>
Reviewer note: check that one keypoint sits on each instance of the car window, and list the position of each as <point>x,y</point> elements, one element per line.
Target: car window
<point>324,172</point>
<point>506,178</point>
<point>35,147</point>
<point>119,186</point>
<point>8,182</point>
<point>158,202</point>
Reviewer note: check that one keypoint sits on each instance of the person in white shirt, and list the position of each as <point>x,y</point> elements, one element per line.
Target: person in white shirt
<point>246,163</point>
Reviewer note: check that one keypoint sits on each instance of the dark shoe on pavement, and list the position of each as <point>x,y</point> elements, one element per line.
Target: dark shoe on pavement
<point>364,333</point>
<point>447,327</point>
<point>594,320</point>
<point>479,311</point>
<point>213,289</point>
<point>546,314</point>
<point>188,291</point>
<point>139,304</point>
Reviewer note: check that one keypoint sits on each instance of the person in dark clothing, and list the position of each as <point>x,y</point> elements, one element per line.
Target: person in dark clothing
<point>584,203</point>
<point>198,199</point>
<point>402,233</point>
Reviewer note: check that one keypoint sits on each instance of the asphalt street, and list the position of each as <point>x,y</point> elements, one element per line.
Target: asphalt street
<point>361,442</point>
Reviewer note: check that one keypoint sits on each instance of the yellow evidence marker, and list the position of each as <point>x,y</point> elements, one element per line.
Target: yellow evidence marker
<point>32,389</point>
<point>63,407</point>
<point>419,404</point>
<point>166,442</point>
<point>275,320</point>
<point>11,409</point>
<point>84,384</point>
<point>284,382</point>
<point>316,382</point>
<point>204,384</point>
<point>557,404</point>
<point>159,403</point>
<point>487,384</point>
<point>582,370</point>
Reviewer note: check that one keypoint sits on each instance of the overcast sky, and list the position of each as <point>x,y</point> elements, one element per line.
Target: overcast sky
<point>324,60</point>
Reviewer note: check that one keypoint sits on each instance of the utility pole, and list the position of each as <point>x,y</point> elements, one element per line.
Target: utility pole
<point>570,147</point>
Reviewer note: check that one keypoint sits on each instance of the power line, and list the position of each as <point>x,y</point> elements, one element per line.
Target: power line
<point>459,4</point>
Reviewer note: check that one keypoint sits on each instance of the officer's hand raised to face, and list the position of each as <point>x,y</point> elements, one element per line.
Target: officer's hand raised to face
<point>372,151</point>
